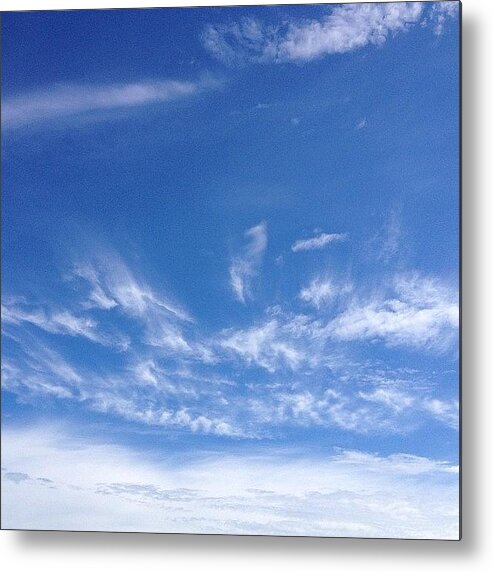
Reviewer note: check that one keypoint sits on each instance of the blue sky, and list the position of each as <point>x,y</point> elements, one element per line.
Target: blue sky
<point>230,270</point>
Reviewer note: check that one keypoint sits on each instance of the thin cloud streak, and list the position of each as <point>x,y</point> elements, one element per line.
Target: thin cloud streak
<point>244,267</point>
<point>61,322</point>
<point>61,101</point>
<point>318,242</point>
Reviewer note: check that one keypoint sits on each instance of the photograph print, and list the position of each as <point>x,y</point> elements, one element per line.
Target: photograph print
<point>231,270</point>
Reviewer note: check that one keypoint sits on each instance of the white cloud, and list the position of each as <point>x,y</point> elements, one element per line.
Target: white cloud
<point>345,28</point>
<point>62,322</point>
<point>265,346</point>
<point>396,400</point>
<point>440,12</point>
<point>415,311</point>
<point>423,314</point>
<point>305,384</point>
<point>144,391</point>
<point>362,123</point>
<point>282,339</point>
<point>98,297</point>
<point>388,242</point>
<point>398,463</point>
<point>170,374</point>
<point>113,286</point>
<point>445,411</point>
<point>151,409</point>
<point>89,485</point>
<point>318,242</point>
<point>244,267</point>
<point>313,404</point>
<point>318,292</point>
<point>308,408</point>
<point>60,101</point>
<point>41,372</point>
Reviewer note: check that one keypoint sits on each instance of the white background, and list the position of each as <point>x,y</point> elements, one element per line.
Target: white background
<point>48,551</point>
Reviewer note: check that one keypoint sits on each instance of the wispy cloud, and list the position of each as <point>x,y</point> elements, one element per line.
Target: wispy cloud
<point>60,321</point>
<point>440,12</point>
<point>88,485</point>
<point>143,393</point>
<point>322,290</point>
<point>318,242</point>
<point>388,242</point>
<point>343,29</point>
<point>415,311</point>
<point>361,124</point>
<point>396,400</point>
<point>423,313</point>
<point>264,345</point>
<point>59,101</point>
<point>172,373</point>
<point>329,408</point>
<point>39,372</point>
<point>112,286</point>
<point>445,411</point>
<point>245,266</point>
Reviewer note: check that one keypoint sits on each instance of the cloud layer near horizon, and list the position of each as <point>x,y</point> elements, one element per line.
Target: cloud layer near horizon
<point>53,480</point>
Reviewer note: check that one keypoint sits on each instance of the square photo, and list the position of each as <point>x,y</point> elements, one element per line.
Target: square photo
<point>231,270</point>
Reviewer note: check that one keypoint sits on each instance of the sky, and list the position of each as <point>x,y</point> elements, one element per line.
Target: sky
<point>230,270</point>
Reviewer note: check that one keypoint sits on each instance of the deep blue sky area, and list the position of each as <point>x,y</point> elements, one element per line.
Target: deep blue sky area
<point>234,230</point>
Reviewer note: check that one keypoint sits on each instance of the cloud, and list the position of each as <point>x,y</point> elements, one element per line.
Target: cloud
<point>445,411</point>
<point>343,29</point>
<point>112,286</point>
<point>58,101</point>
<point>362,123</point>
<point>358,397</point>
<point>244,267</point>
<point>265,346</point>
<point>16,477</point>
<point>400,463</point>
<point>97,486</point>
<point>327,408</point>
<point>318,242</point>
<point>321,291</point>
<point>416,312</point>
<point>151,409</point>
<point>304,383</point>
<point>39,372</point>
<point>145,393</point>
<point>396,400</point>
<point>440,13</point>
<point>388,242</point>
<point>421,314</point>
<point>294,364</point>
<point>60,321</point>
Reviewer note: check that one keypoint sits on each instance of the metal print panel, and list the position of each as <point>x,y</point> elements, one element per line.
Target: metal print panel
<point>230,287</point>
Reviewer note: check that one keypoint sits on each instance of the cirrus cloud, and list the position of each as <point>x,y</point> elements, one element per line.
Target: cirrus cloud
<point>344,28</point>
